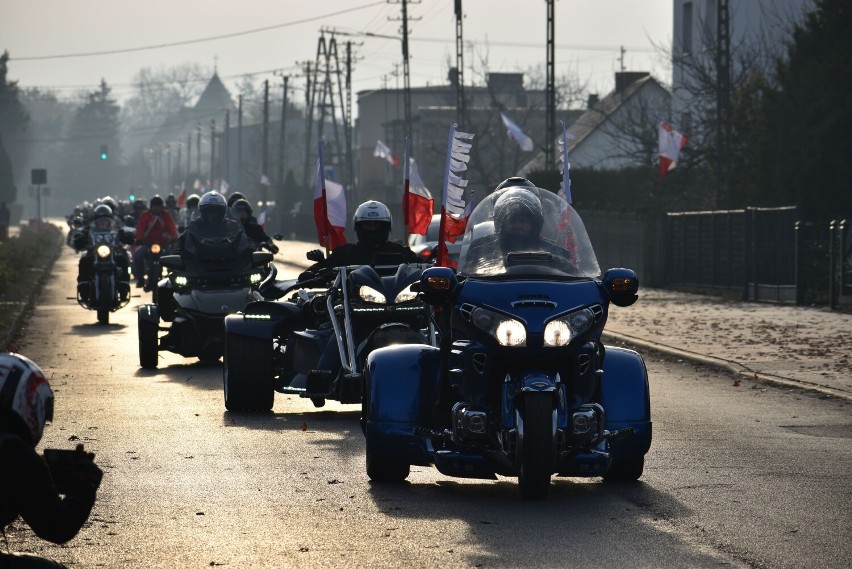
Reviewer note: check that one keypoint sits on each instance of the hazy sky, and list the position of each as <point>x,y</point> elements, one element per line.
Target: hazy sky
<point>268,35</point>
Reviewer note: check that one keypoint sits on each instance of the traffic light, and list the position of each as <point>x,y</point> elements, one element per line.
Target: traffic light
<point>104,152</point>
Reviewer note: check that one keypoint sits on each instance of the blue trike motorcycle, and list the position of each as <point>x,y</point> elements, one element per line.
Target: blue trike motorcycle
<point>521,385</point>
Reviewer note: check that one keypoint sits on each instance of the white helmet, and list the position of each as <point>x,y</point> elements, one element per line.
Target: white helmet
<point>372,211</point>
<point>25,394</point>
<point>212,208</point>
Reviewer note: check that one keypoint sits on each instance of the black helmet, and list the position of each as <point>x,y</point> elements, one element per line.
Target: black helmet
<point>156,201</point>
<point>514,181</point>
<point>372,222</point>
<point>102,210</point>
<point>212,208</point>
<point>171,200</point>
<point>241,205</point>
<point>234,197</point>
<point>512,204</point>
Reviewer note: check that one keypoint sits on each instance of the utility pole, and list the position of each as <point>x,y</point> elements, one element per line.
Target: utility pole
<point>550,130</point>
<point>169,166</point>
<point>179,158</point>
<point>405,71</point>
<point>347,125</point>
<point>226,174</point>
<point>460,108</point>
<point>212,149</point>
<point>240,144</point>
<point>264,166</point>
<point>198,148</point>
<point>281,132</point>
<point>723,103</point>
<point>188,153</point>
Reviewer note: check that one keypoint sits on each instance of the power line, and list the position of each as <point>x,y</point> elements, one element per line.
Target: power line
<point>193,41</point>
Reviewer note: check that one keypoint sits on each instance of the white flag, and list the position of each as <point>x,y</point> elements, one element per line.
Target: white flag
<point>524,141</point>
<point>264,181</point>
<point>382,151</point>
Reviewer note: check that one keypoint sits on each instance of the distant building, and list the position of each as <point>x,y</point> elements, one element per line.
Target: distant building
<point>608,136</point>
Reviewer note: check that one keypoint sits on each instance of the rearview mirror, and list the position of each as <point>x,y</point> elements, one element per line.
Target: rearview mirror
<point>438,285</point>
<point>621,285</point>
<point>259,258</point>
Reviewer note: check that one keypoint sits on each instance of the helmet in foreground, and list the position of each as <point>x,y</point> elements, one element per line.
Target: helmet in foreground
<point>514,181</point>
<point>26,400</point>
<point>372,223</point>
<point>518,218</point>
<point>212,208</point>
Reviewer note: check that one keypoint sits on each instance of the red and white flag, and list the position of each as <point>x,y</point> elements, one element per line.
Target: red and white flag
<point>565,166</point>
<point>224,186</point>
<point>454,211</point>
<point>182,196</point>
<point>670,143</point>
<point>417,203</point>
<point>514,131</point>
<point>382,151</point>
<point>329,208</point>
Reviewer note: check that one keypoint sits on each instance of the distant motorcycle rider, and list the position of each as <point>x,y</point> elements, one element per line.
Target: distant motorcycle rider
<point>30,487</point>
<point>212,221</point>
<point>155,225</point>
<point>103,220</point>
<point>372,222</point>
<point>243,212</point>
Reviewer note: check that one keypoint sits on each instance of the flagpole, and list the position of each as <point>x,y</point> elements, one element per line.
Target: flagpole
<point>442,246</point>
<point>406,183</point>
<point>324,201</point>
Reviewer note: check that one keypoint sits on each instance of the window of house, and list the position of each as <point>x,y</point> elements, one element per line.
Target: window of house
<point>686,28</point>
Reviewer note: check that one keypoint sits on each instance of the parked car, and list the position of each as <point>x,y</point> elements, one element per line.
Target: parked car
<point>424,246</point>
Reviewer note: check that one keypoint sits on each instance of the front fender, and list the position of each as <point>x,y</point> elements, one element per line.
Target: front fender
<point>150,313</point>
<point>261,318</point>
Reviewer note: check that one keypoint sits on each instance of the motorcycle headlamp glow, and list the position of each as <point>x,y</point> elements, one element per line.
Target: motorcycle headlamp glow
<point>405,295</point>
<point>507,331</point>
<point>369,294</point>
<point>155,249</point>
<point>254,278</point>
<point>103,251</point>
<point>181,280</point>
<point>561,331</point>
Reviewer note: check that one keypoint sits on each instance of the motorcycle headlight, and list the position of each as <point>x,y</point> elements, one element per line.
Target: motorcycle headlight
<point>254,278</point>
<point>405,295</point>
<point>103,251</point>
<point>181,280</point>
<point>155,249</point>
<point>560,332</point>
<point>507,331</point>
<point>369,294</point>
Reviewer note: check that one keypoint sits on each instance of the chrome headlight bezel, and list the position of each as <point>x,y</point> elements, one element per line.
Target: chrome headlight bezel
<point>103,251</point>
<point>507,331</point>
<point>574,323</point>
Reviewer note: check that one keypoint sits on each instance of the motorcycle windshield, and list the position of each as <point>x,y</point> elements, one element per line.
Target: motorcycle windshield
<point>102,236</point>
<point>217,250</point>
<point>526,232</point>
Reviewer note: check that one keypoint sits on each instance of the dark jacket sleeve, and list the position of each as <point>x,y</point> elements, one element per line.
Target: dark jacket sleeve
<point>28,489</point>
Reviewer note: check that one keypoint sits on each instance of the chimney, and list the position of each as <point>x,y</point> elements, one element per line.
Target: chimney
<point>453,77</point>
<point>592,101</point>
<point>623,79</point>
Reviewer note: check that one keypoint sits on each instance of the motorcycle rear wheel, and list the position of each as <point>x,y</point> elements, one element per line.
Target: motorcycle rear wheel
<point>148,349</point>
<point>385,469</point>
<point>535,454</point>
<point>625,471</point>
<point>247,374</point>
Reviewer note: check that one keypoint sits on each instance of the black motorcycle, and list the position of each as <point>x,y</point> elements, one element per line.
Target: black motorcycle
<point>276,346</point>
<point>103,283</point>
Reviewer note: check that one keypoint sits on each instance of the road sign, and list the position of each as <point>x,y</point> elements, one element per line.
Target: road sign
<point>39,176</point>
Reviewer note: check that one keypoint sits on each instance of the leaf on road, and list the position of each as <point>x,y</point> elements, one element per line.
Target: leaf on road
<point>304,426</point>
<point>736,383</point>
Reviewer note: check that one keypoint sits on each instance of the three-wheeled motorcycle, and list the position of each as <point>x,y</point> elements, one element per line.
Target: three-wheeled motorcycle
<point>521,385</point>
<point>283,345</point>
<point>216,275</point>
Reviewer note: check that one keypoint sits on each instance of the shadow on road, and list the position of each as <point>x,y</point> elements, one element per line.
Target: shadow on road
<point>96,328</point>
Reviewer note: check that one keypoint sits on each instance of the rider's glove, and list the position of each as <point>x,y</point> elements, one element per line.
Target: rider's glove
<point>273,247</point>
<point>315,255</point>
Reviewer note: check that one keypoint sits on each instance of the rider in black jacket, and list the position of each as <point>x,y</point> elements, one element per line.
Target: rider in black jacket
<point>30,487</point>
<point>242,210</point>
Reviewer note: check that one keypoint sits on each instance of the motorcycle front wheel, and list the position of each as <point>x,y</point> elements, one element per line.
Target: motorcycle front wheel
<point>535,453</point>
<point>104,298</point>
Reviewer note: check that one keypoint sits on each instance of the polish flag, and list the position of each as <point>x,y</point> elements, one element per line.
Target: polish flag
<point>417,203</point>
<point>514,131</point>
<point>329,209</point>
<point>454,210</point>
<point>670,143</point>
<point>382,151</point>
<point>182,196</point>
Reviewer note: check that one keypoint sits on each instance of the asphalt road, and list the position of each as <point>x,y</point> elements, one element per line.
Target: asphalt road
<point>737,476</point>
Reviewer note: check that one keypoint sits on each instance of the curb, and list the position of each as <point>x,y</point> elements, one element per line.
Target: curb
<point>730,366</point>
